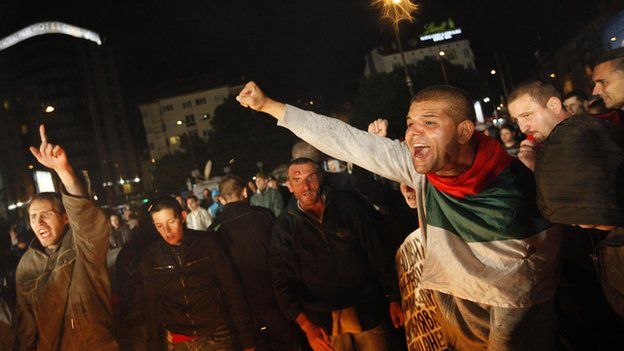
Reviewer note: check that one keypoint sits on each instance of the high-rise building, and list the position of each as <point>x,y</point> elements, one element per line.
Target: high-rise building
<point>64,77</point>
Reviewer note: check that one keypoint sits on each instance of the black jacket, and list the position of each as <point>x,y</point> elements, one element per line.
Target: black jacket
<point>579,173</point>
<point>245,233</point>
<point>319,267</point>
<point>191,289</point>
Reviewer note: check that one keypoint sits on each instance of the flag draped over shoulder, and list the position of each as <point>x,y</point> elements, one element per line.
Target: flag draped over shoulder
<point>486,241</point>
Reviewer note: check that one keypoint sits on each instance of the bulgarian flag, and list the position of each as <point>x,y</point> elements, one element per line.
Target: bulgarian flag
<point>486,240</point>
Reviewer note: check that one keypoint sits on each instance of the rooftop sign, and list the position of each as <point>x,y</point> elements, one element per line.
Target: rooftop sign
<point>443,31</point>
<point>42,28</point>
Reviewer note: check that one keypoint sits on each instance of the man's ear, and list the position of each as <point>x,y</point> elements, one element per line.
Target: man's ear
<point>222,200</point>
<point>554,104</point>
<point>65,218</point>
<point>465,131</point>
<point>184,215</point>
<point>245,193</point>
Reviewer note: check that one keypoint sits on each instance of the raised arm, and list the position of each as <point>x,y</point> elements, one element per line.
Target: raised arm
<point>87,221</point>
<point>380,155</point>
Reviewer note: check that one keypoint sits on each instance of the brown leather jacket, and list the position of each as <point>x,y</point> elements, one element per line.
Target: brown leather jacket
<point>64,299</point>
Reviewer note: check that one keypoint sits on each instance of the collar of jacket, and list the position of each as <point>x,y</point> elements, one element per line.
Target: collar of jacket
<point>327,191</point>
<point>233,208</point>
<point>187,240</point>
<point>35,244</point>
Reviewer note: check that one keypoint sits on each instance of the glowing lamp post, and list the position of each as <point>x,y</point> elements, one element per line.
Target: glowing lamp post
<point>441,55</point>
<point>397,11</point>
<point>180,122</point>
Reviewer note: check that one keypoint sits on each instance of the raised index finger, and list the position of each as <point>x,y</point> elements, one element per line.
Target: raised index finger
<point>42,132</point>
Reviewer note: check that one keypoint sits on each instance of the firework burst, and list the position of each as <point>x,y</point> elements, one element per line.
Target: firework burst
<point>396,10</point>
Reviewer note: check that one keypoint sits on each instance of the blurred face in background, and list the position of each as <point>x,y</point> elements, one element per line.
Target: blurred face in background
<point>507,136</point>
<point>192,203</point>
<point>261,183</point>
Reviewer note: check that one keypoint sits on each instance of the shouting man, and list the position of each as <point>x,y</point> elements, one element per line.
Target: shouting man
<point>490,257</point>
<point>63,287</point>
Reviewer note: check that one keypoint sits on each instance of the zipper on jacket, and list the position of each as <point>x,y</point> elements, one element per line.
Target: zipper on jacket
<point>183,284</point>
<point>320,231</point>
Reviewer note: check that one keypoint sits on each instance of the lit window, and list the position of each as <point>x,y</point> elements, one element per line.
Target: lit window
<point>174,140</point>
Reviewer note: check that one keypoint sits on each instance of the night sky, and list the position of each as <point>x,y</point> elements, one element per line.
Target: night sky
<point>292,47</point>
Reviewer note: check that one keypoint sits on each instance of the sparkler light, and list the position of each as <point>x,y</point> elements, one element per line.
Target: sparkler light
<point>396,10</point>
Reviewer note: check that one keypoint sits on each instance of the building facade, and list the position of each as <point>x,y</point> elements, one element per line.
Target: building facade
<point>386,60</point>
<point>168,120</point>
<point>63,77</point>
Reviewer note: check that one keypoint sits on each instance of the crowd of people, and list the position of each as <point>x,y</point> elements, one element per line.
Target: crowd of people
<point>513,238</point>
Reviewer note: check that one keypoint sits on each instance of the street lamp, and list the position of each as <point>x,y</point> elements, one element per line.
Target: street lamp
<point>49,109</point>
<point>441,55</point>
<point>493,72</point>
<point>397,11</point>
<point>180,122</point>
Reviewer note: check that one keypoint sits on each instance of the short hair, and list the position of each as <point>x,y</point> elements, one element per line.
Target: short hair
<point>579,94</point>
<point>52,197</point>
<point>114,214</point>
<point>163,203</point>
<point>509,128</point>
<point>303,161</point>
<point>261,175</point>
<point>538,90</point>
<point>303,149</point>
<point>192,197</point>
<point>231,185</point>
<point>615,55</point>
<point>459,104</point>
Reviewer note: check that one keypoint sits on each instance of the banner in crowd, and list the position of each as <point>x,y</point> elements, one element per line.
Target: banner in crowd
<point>422,330</point>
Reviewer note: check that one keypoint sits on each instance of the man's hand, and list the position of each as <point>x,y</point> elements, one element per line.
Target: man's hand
<point>379,127</point>
<point>50,155</point>
<point>410,195</point>
<point>54,157</point>
<point>527,153</point>
<point>317,337</point>
<point>396,314</point>
<point>251,96</point>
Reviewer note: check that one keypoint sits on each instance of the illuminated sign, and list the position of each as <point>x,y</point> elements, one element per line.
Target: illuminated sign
<point>441,36</point>
<point>42,28</point>
<point>439,32</point>
<point>431,28</point>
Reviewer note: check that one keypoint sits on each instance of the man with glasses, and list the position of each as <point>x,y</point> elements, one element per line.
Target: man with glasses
<point>330,272</point>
